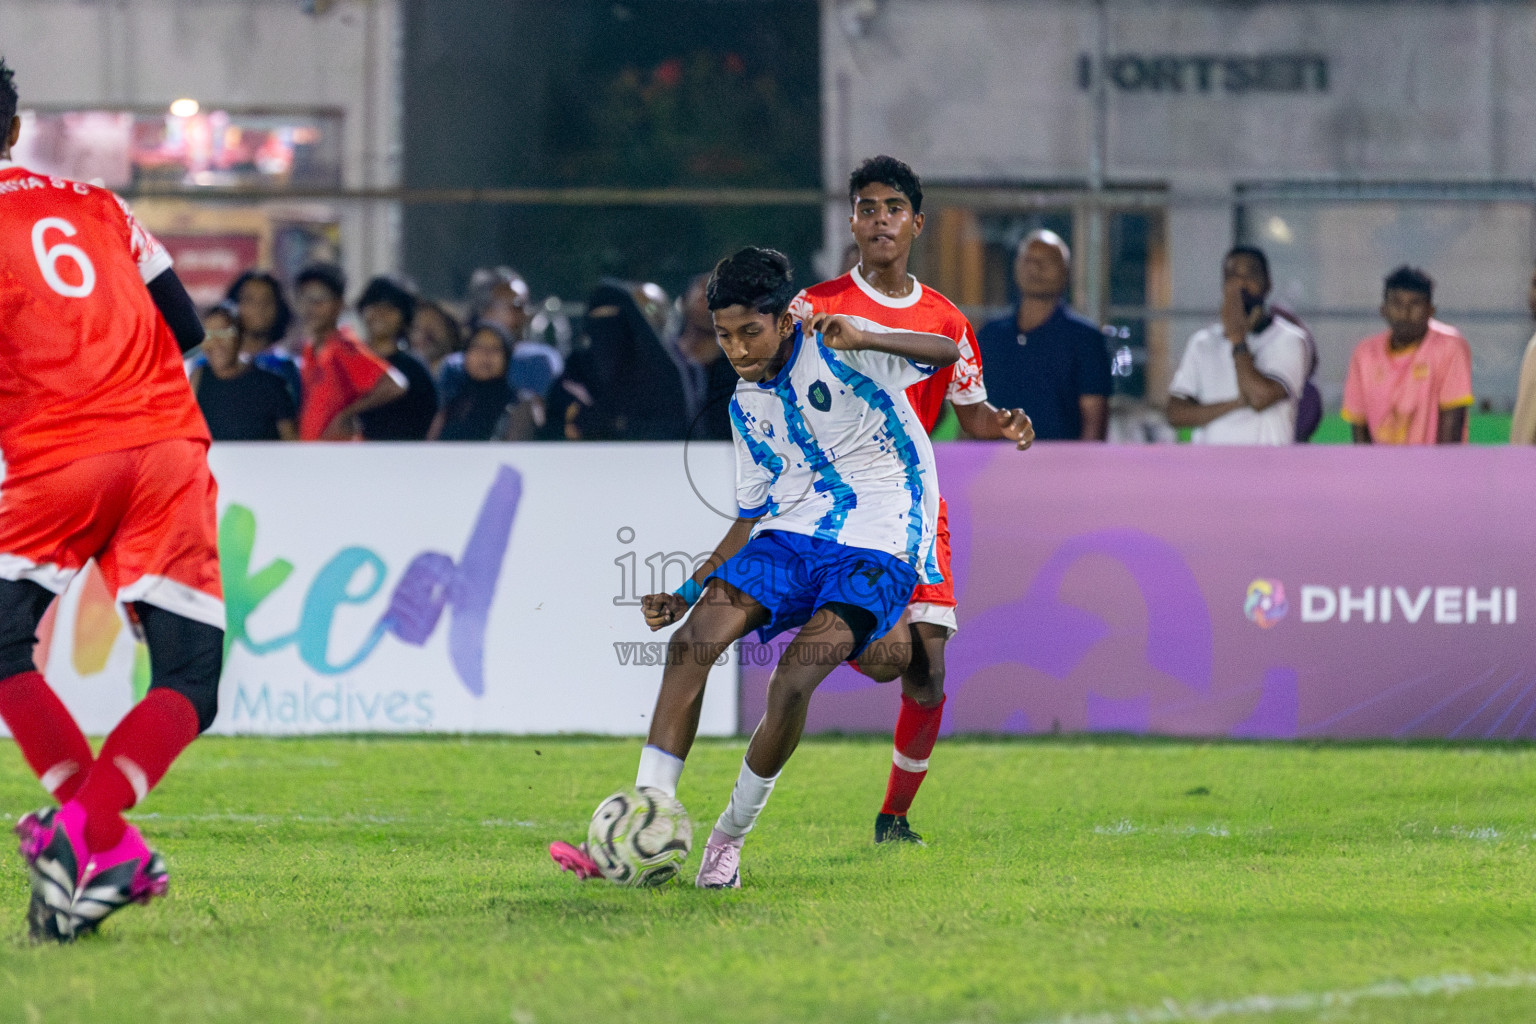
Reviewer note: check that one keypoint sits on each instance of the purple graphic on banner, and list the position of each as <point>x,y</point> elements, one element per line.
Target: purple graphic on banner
<point>1264,593</point>
<point>433,582</point>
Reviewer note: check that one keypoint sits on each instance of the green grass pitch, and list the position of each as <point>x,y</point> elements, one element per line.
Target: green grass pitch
<point>1116,882</point>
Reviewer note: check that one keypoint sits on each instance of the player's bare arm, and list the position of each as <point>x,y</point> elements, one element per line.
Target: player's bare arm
<point>986,422</point>
<point>1450,425</point>
<point>662,610</point>
<point>1094,410</point>
<point>839,332</point>
<point>344,426</point>
<point>1186,412</point>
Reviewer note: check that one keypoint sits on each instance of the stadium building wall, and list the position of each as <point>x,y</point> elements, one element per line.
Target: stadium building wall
<point>248,55</point>
<point>1345,137</point>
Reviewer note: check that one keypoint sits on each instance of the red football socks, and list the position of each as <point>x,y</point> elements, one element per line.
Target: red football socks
<point>46,732</point>
<point>917,730</point>
<point>135,757</point>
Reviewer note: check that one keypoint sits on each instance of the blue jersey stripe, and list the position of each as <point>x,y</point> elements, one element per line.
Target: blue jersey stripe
<point>879,399</point>
<point>761,453</point>
<point>828,479</point>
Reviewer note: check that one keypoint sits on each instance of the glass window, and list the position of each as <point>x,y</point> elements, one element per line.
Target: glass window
<point>129,150</point>
<point>1329,255</point>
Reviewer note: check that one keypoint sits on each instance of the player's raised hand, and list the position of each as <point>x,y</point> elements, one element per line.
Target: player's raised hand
<point>663,610</point>
<point>837,332</point>
<point>1016,426</point>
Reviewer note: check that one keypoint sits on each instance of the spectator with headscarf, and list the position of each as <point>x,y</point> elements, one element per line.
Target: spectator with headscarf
<point>477,406</point>
<point>623,386</point>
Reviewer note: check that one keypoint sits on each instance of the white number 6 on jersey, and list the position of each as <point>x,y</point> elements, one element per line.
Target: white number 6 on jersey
<point>48,259</point>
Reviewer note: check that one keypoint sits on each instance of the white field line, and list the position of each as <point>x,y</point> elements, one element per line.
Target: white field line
<point>1480,834</point>
<point>1173,1012</point>
<point>1126,827</point>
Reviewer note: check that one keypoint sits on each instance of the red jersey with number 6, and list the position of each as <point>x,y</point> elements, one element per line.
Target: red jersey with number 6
<point>87,364</point>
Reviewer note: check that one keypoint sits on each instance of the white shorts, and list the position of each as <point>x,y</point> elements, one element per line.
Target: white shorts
<point>937,614</point>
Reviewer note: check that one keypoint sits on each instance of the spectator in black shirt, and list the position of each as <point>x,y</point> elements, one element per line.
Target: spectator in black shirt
<point>263,318</point>
<point>435,335</point>
<point>240,401</point>
<point>386,309</point>
<point>709,379</point>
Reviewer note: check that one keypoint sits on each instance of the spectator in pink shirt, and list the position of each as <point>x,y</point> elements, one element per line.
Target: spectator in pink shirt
<point>1412,383</point>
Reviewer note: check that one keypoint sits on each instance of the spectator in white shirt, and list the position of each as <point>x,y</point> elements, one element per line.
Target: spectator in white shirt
<point>1240,379</point>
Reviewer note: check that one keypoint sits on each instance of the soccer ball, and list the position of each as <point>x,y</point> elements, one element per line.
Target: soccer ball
<point>639,837</point>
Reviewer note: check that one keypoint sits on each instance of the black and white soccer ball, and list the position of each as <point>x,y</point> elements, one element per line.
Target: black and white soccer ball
<point>640,837</point>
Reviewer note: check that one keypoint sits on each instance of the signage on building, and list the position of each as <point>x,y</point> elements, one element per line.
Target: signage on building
<point>1210,73</point>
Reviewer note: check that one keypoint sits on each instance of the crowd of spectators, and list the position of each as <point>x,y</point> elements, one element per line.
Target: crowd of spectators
<point>645,367</point>
<point>412,369</point>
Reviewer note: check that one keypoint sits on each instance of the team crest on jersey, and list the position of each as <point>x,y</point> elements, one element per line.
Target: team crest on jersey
<point>820,396</point>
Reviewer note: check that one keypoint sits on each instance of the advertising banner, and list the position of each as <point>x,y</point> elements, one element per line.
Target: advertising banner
<point>1247,592</point>
<point>418,588</point>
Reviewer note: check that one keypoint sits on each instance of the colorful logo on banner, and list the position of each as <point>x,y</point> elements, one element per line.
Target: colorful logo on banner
<point>432,583</point>
<point>1265,604</point>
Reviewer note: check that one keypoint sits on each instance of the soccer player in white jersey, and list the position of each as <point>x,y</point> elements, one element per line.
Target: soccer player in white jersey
<point>836,526</point>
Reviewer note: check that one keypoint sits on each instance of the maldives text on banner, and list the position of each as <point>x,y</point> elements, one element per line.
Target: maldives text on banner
<point>415,588</point>
<point>1250,592</point>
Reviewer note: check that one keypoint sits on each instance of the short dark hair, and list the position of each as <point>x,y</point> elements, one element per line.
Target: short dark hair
<point>9,97</point>
<point>455,329</point>
<point>226,309</point>
<point>759,279</point>
<point>887,170</point>
<point>328,274</point>
<point>1410,279</point>
<point>385,290</point>
<point>1253,252</point>
<point>284,318</point>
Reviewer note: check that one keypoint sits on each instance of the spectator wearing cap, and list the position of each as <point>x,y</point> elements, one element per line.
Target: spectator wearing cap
<point>387,307</point>
<point>1045,358</point>
<point>263,318</point>
<point>1412,383</point>
<point>1240,380</point>
<point>342,377</point>
<point>240,401</point>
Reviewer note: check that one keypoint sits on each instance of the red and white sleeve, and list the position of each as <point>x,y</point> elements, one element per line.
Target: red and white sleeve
<point>800,306</point>
<point>966,386</point>
<point>152,257</point>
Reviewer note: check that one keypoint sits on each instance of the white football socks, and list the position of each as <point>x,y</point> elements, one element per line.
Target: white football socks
<point>659,770</point>
<point>747,801</point>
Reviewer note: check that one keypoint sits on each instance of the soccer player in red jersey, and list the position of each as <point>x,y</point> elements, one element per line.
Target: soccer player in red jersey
<point>106,458</point>
<point>887,216</point>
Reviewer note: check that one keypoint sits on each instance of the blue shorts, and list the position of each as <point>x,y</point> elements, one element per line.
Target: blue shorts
<point>794,576</point>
